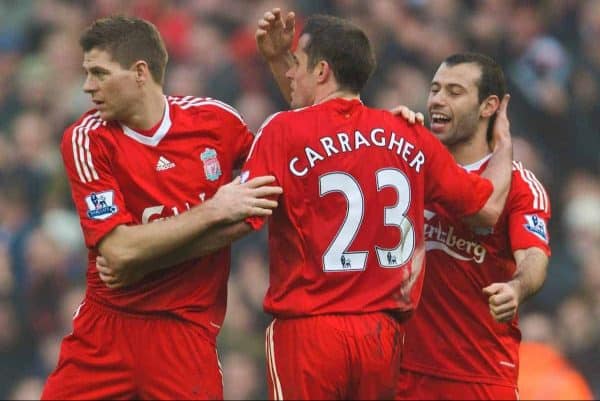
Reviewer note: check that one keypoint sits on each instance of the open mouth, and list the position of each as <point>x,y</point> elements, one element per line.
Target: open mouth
<point>439,121</point>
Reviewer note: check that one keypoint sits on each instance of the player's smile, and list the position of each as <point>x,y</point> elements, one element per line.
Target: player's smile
<point>439,121</point>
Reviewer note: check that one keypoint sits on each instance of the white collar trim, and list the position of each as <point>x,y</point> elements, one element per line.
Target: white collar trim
<point>160,133</point>
<point>477,165</point>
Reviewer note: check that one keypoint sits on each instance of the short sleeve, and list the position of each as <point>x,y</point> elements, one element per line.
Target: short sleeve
<point>460,192</point>
<point>529,208</point>
<point>265,158</point>
<point>240,136</point>
<point>95,191</point>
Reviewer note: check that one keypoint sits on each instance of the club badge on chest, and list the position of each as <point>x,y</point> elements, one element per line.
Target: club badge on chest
<point>212,168</point>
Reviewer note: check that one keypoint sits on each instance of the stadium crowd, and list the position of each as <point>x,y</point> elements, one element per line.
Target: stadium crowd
<point>548,49</point>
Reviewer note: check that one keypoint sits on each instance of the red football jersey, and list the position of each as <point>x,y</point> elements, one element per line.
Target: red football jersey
<point>452,333</point>
<point>347,236</point>
<point>120,176</point>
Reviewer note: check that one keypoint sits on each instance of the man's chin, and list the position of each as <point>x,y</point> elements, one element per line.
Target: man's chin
<point>438,133</point>
<point>443,136</point>
<point>106,115</point>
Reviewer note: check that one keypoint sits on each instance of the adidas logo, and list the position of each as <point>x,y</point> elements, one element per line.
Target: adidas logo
<point>164,164</point>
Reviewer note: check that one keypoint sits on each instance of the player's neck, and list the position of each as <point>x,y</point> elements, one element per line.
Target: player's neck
<point>472,151</point>
<point>328,93</point>
<point>148,112</point>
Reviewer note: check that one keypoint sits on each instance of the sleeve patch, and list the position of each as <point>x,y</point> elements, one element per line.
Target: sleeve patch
<point>537,226</point>
<point>101,205</point>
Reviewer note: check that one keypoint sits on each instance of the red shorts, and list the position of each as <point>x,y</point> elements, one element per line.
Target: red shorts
<point>334,357</point>
<point>418,386</point>
<point>115,355</point>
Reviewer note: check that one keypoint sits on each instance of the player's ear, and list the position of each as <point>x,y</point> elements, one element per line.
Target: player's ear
<point>141,70</point>
<point>489,106</point>
<point>324,71</point>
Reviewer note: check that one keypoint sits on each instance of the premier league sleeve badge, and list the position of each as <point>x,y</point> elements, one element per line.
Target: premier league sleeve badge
<point>537,226</point>
<point>101,205</point>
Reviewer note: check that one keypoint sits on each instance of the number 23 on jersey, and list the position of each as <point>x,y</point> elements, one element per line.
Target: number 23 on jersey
<point>337,257</point>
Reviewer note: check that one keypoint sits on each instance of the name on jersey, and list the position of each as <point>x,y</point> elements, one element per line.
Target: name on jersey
<point>343,142</point>
<point>439,237</point>
<point>101,205</point>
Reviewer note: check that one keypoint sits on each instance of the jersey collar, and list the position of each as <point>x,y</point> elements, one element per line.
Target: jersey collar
<point>160,133</point>
<point>477,165</point>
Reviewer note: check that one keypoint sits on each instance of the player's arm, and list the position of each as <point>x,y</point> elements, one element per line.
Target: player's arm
<point>274,37</point>
<point>504,298</point>
<point>498,171</point>
<point>212,240</point>
<point>136,247</point>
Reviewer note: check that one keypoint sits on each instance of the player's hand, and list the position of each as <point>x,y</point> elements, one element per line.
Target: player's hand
<point>503,300</point>
<point>274,35</point>
<point>236,201</point>
<point>408,114</point>
<point>501,132</point>
<point>117,278</point>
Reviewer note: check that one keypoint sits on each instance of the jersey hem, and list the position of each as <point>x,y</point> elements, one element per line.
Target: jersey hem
<point>449,376</point>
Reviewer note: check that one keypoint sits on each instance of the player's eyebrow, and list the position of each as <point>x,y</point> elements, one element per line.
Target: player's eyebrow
<point>455,86</point>
<point>451,85</point>
<point>96,69</point>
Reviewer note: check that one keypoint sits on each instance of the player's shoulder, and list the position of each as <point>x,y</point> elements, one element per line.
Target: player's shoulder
<point>86,128</point>
<point>401,125</point>
<point>212,108</point>
<point>295,119</point>
<point>525,184</point>
<point>522,176</point>
<point>292,116</point>
<point>270,124</point>
<point>388,117</point>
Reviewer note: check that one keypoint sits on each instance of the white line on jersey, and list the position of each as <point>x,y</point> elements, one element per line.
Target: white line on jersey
<point>259,132</point>
<point>540,197</point>
<point>509,364</point>
<point>80,142</point>
<point>190,101</point>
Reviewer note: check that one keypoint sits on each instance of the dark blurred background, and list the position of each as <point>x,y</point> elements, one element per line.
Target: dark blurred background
<point>550,51</point>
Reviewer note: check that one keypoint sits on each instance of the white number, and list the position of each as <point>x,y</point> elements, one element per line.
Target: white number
<point>337,257</point>
<point>396,216</point>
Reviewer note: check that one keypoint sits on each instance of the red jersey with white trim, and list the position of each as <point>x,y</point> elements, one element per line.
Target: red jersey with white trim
<point>120,176</point>
<point>347,236</point>
<point>452,334</point>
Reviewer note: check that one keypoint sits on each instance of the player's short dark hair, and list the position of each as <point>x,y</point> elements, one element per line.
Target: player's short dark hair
<point>490,83</point>
<point>344,46</point>
<point>127,40</point>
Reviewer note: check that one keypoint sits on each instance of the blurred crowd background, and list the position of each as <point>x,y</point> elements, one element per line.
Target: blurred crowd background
<point>550,51</point>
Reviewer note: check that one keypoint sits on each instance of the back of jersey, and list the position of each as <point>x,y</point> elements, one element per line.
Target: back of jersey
<point>347,236</point>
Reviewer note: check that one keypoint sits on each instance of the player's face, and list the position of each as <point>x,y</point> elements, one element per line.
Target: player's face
<point>113,89</point>
<point>303,81</point>
<point>453,103</point>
